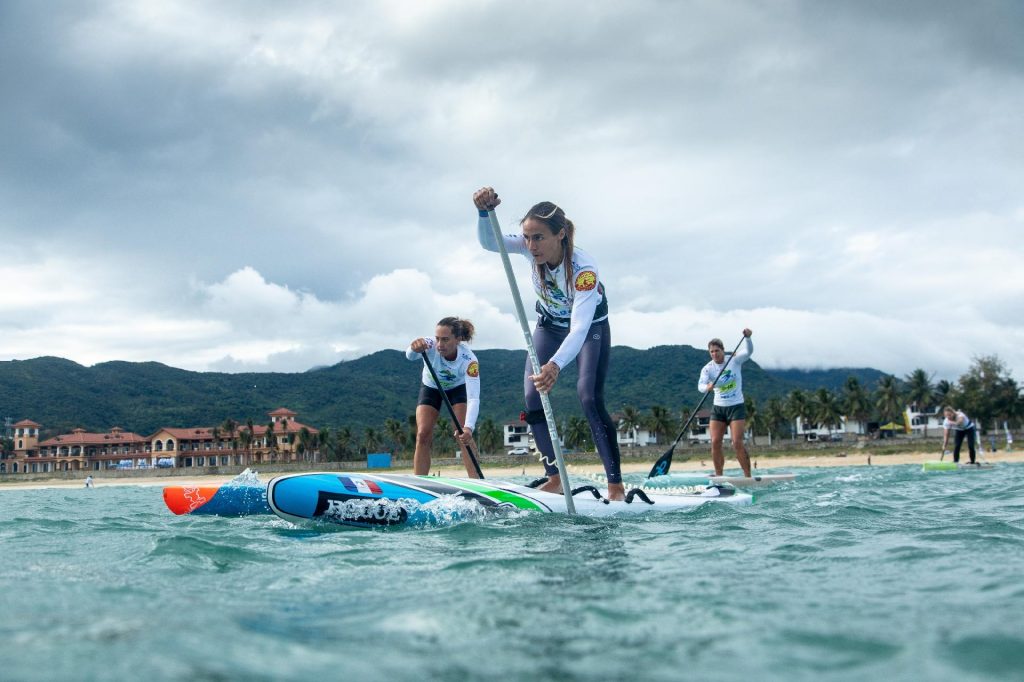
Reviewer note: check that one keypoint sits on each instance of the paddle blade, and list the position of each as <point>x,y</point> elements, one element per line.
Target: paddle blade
<point>663,464</point>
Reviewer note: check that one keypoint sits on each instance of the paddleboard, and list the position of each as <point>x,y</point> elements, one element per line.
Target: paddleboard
<point>368,500</point>
<point>673,480</point>
<point>752,482</point>
<point>219,500</point>
<point>936,465</point>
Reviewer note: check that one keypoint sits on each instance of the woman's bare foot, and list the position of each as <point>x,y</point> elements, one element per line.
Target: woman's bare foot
<point>552,485</point>
<point>616,491</point>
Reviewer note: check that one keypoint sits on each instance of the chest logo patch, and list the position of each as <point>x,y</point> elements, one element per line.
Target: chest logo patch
<point>586,280</point>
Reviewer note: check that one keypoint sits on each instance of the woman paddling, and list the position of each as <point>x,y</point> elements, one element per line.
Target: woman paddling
<point>957,421</point>
<point>728,409</point>
<point>459,372</point>
<point>572,325</point>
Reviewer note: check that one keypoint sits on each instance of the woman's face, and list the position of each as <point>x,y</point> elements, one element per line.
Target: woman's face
<point>447,344</point>
<point>717,354</point>
<point>544,246</point>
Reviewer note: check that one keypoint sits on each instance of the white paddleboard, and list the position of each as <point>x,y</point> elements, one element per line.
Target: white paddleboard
<point>752,482</point>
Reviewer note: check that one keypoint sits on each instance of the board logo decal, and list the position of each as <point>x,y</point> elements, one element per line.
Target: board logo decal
<point>586,280</point>
<point>474,369</point>
<point>359,511</point>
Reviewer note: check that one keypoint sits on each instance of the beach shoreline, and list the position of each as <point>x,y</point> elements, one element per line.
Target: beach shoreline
<point>775,464</point>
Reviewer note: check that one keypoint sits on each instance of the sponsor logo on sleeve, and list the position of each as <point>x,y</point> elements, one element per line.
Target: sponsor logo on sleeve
<point>586,280</point>
<point>474,369</point>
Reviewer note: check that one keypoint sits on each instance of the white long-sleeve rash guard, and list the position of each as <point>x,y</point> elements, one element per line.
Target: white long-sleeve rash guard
<point>577,305</point>
<point>464,369</point>
<point>729,389</point>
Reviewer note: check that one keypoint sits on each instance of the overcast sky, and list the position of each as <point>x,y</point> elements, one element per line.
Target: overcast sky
<point>269,186</point>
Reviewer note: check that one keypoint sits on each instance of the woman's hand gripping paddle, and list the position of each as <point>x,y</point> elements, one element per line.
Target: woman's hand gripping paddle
<point>664,462</point>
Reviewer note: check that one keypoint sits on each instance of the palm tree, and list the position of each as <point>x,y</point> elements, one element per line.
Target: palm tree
<point>774,416</point>
<point>798,407</point>
<point>246,439</point>
<point>323,442</point>
<point>660,422</point>
<point>395,432</point>
<point>631,422</point>
<point>920,391</point>
<point>488,436</point>
<point>271,441</point>
<point>826,409</point>
<point>251,429</point>
<point>411,425</point>
<point>941,392</point>
<point>371,440</point>
<point>577,433</point>
<point>754,419</point>
<point>888,399</point>
<point>305,440</point>
<point>342,443</point>
<point>444,441</point>
<point>855,402</point>
<point>230,427</point>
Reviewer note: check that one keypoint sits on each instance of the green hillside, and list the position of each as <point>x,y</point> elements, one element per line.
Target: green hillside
<point>142,397</point>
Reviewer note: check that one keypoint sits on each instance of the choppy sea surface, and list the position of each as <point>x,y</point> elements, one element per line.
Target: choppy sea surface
<point>858,573</point>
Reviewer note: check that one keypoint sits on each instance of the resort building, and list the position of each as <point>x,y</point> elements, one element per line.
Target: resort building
<point>283,439</point>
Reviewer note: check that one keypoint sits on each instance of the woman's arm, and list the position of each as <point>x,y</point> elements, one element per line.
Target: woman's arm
<point>472,395</point>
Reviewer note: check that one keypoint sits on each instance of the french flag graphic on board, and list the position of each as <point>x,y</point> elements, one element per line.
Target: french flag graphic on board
<point>359,485</point>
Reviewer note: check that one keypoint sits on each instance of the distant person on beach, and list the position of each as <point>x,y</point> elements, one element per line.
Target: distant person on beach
<point>572,324</point>
<point>958,422</point>
<point>459,371</point>
<point>728,409</point>
<point>88,481</point>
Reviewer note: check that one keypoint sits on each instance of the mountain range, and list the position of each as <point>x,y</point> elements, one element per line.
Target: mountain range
<point>143,396</point>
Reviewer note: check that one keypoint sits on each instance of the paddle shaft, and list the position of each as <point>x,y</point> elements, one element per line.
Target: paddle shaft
<point>664,462</point>
<point>545,400</point>
<point>451,411</point>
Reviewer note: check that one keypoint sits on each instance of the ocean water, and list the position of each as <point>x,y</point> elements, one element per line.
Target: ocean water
<point>858,573</point>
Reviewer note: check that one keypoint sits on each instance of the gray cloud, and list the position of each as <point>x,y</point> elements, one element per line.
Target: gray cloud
<point>833,160</point>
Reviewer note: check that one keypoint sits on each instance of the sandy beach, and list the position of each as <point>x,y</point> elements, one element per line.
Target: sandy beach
<point>764,465</point>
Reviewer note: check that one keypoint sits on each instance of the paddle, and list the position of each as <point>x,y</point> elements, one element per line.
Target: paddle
<point>451,411</point>
<point>545,400</point>
<point>664,462</point>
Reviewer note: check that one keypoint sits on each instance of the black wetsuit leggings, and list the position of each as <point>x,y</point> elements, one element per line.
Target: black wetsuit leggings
<point>958,440</point>
<point>592,363</point>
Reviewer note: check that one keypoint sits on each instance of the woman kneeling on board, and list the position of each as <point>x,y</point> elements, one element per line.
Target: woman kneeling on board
<point>957,421</point>
<point>728,409</point>
<point>572,325</point>
<point>459,372</point>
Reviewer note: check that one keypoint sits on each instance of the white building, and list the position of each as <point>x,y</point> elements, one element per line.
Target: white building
<point>517,435</point>
<point>928,423</point>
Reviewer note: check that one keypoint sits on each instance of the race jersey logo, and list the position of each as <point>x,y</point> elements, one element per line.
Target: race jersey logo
<point>473,370</point>
<point>586,280</point>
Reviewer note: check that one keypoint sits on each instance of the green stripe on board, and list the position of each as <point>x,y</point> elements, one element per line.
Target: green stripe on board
<point>497,494</point>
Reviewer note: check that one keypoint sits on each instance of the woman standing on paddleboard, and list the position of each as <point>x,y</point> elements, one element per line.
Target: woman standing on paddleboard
<point>572,325</point>
<point>728,409</point>
<point>457,368</point>
<point>959,422</point>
